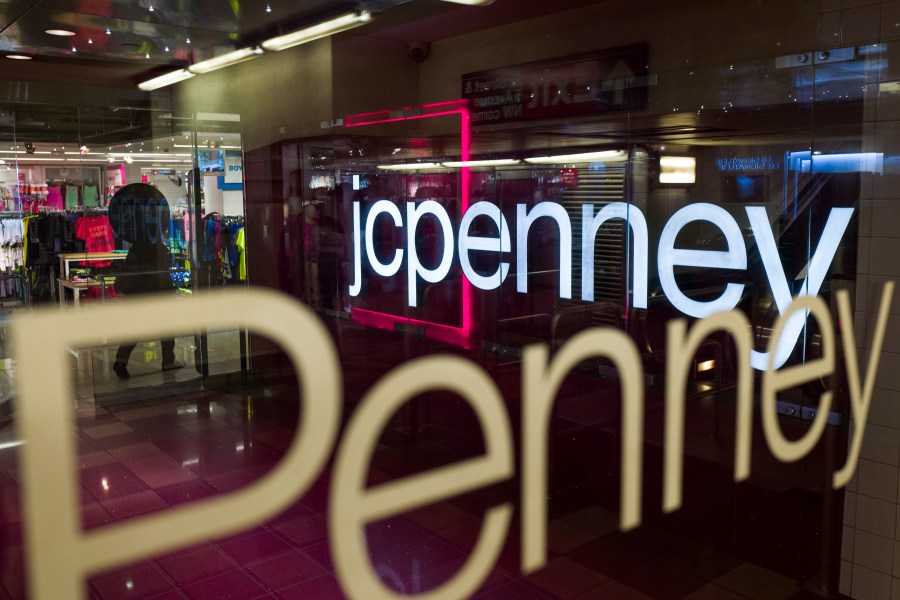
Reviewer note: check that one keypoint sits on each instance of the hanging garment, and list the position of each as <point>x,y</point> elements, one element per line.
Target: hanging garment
<point>90,195</point>
<point>97,234</point>
<point>71,197</point>
<point>54,197</point>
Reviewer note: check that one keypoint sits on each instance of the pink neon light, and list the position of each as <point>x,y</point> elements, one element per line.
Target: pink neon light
<point>445,113</point>
<point>384,116</point>
<point>460,336</point>
<point>465,177</point>
<point>443,333</point>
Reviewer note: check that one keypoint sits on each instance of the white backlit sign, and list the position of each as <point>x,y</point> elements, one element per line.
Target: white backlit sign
<point>669,256</point>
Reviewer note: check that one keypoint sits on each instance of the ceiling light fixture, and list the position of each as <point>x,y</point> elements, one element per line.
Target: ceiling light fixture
<point>282,42</point>
<point>225,60</point>
<point>411,167</point>
<point>472,2</point>
<point>108,32</point>
<point>302,36</point>
<point>602,156</point>
<point>18,57</point>
<point>59,32</point>
<point>187,40</point>
<point>268,8</point>
<point>165,80</point>
<point>498,162</point>
<point>90,41</point>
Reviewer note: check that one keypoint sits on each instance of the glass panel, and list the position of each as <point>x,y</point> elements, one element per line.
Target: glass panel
<point>217,252</point>
<point>533,177</point>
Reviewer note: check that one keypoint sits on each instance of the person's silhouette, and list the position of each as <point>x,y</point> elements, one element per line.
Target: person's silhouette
<point>145,270</point>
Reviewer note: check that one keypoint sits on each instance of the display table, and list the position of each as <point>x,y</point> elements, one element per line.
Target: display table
<point>63,282</point>
<point>79,286</point>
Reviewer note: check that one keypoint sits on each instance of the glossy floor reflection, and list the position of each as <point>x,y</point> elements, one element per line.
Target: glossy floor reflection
<point>150,455</point>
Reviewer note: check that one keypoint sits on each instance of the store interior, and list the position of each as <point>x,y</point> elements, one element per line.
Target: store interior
<point>62,174</point>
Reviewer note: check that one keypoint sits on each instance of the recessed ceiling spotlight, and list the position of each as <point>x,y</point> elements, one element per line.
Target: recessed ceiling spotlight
<point>167,48</point>
<point>147,55</point>
<point>151,8</point>
<point>74,49</point>
<point>90,41</point>
<point>18,57</point>
<point>268,8</point>
<point>59,32</point>
<point>108,32</point>
<point>187,41</point>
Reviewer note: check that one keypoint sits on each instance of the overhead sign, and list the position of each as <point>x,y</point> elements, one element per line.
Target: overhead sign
<point>747,164</point>
<point>613,79</point>
<point>568,178</point>
<point>115,175</point>
<point>234,170</point>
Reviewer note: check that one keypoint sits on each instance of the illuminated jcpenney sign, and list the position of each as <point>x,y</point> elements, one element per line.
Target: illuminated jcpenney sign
<point>668,256</point>
<point>61,554</point>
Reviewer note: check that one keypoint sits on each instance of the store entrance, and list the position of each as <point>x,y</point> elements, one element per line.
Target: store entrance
<point>86,192</point>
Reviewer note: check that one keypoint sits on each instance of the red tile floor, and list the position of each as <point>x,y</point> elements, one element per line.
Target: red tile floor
<point>150,455</point>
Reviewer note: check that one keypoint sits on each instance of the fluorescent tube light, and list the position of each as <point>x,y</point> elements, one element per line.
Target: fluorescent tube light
<point>201,148</point>
<point>225,60</point>
<point>601,156</point>
<point>472,2</point>
<point>231,117</point>
<point>165,80</point>
<point>41,159</point>
<point>302,36</point>
<point>498,162</point>
<point>411,166</point>
<point>343,23</point>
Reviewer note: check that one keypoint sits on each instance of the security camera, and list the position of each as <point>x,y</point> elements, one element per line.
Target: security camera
<point>418,51</point>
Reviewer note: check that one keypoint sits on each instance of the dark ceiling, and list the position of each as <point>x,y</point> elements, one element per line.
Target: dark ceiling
<point>122,40</point>
<point>118,43</point>
<point>102,106</point>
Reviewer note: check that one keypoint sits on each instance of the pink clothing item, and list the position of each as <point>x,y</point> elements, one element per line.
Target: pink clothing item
<point>55,197</point>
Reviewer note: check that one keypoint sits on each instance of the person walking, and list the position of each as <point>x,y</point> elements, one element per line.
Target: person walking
<point>145,271</point>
